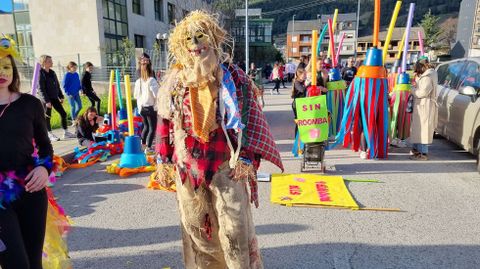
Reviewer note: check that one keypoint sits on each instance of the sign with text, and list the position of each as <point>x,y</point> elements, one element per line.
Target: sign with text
<point>312,119</point>
<point>309,189</point>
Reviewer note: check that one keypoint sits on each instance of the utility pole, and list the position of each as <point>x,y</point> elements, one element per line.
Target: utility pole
<point>247,37</point>
<point>356,31</point>
<point>293,34</point>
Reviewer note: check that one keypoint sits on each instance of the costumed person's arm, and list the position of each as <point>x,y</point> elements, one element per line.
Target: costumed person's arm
<point>37,178</point>
<point>163,146</point>
<point>43,87</point>
<point>424,87</point>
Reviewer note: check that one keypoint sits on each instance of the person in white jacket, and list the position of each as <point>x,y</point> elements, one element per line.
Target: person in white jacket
<point>146,88</point>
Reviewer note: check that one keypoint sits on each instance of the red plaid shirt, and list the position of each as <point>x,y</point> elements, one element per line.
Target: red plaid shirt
<point>204,159</point>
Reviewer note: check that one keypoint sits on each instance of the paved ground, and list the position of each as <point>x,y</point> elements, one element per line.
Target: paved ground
<point>121,224</point>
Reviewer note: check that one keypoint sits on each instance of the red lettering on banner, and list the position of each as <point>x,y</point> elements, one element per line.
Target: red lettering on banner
<point>295,190</point>
<point>312,121</point>
<point>322,191</point>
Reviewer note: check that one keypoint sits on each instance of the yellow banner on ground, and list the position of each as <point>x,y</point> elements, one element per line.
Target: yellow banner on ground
<point>309,189</point>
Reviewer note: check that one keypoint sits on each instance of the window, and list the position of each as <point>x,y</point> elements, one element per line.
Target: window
<point>137,7</point>
<point>470,76</point>
<point>294,38</point>
<point>305,49</point>
<point>294,50</point>
<point>306,38</point>
<point>115,27</point>
<point>349,35</point>
<point>449,74</point>
<point>158,6</point>
<point>391,55</point>
<point>171,13</point>
<point>139,41</point>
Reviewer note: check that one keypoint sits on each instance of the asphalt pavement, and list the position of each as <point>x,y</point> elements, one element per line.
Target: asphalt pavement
<point>119,223</point>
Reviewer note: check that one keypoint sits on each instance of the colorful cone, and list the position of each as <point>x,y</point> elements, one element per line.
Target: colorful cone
<point>335,100</point>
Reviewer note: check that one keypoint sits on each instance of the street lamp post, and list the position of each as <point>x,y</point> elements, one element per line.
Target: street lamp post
<point>356,31</point>
<point>293,33</point>
<point>164,38</point>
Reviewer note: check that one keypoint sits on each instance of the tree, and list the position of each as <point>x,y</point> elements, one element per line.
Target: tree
<point>126,52</point>
<point>449,31</point>
<point>227,9</point>
<point>432,30</point>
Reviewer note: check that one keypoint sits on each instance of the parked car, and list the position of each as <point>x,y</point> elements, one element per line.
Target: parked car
<point>459,105</point>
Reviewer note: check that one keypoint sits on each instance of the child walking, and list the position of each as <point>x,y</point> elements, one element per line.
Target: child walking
<point>71,85</point>
<point>87,86</point>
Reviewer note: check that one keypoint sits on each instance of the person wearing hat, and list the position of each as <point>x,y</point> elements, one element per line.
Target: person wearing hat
<point>425,109</point>
<point>146,88</point>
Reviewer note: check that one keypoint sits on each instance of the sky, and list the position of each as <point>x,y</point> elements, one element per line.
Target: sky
<point>6,5</point>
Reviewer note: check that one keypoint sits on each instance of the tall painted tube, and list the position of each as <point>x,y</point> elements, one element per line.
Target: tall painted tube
<point>330,48</point>
<point>332,41</point>
<point>112,78</point>
<point>36,73</point>
<point>390,29</point>
<point>400,47</point>
<point>376,24</point>
<point>340,44</point>
<point>119,89</point>
<point>128,96</point>
<point>314,58</point>
<point>420,40</point>
<point>112,103</point>
<point>407,36</point>
<point>320,39</point>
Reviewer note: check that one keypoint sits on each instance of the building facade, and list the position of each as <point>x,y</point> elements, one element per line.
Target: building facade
<point>366,42</point>
<point>468,30</point>
<point>299,35</point>
<point>93,30</point>
<point>259,36</point>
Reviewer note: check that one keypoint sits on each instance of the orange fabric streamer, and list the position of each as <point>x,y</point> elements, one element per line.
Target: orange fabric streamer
<point>202,103</point>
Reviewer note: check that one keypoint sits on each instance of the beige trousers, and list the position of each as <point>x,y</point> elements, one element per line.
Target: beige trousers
<point>225,208</point>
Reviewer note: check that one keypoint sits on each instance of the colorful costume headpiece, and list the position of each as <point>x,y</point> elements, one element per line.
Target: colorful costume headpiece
<point>7,47</point>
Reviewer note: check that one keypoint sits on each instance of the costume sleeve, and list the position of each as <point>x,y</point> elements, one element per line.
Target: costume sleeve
<point>40,134</point>
<point>425,87</point>
<point>154,87</point>
<point>43,87</point>
<point>163,146</point>
<point>137,89</point>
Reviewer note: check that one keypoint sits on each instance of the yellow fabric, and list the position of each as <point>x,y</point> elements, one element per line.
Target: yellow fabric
<point>203,106</point>
<point>309,189</point>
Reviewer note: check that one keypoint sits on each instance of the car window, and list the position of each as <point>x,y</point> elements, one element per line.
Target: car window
<point>449,74</point>
<point>470,76</point>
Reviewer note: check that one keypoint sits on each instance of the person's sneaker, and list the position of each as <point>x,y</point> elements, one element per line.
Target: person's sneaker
<point>419,157</point>
<point>414,152</point>
<point>394,142</point>
<point>363,155</point>
<point>149,151</point>
<point>402,144</point>
<point>53,137</point>
<point>67,135</point>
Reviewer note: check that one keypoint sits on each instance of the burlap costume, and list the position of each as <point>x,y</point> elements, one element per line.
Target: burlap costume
<point>215,146</point>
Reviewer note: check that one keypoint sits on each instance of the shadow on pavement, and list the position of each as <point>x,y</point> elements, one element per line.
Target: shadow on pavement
<point>83,238</point>
<point>79,199</point>
<point>318,256</point>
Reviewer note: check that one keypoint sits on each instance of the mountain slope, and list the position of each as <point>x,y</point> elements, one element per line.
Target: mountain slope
<point>444,8</point>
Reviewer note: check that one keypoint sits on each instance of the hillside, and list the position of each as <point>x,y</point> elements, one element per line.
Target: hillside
<point>443,8</point>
